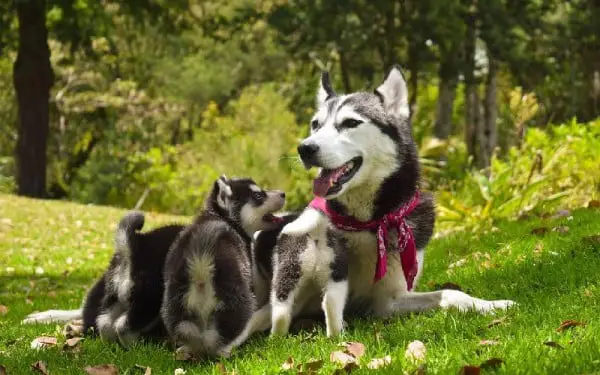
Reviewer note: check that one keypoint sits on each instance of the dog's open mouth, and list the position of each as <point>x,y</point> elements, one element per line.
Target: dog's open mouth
<point>330,181</point>
<point>270,218</point>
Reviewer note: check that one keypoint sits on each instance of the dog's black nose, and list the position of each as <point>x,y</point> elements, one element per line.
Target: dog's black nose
<point>308,152</point>
<point>282,194</point>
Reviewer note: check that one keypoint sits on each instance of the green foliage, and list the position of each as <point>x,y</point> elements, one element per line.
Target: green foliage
<point>552,169</point>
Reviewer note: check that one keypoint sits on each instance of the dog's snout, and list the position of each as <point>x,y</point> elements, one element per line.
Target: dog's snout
<point>308,151</point>
<point>282,194</point>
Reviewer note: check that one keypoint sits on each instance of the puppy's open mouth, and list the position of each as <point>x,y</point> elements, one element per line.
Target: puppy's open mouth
<point>330,181</point>
<point>270,218</point>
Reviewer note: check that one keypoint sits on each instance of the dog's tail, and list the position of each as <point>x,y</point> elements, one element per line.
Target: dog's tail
<point>125,238</point>
<point>53,316</point>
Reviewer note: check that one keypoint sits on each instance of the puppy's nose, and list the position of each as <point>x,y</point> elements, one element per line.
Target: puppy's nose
<point>308,151</point>
<point>282,194</point>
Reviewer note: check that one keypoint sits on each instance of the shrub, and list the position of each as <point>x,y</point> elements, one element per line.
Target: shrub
<point>554,168</point>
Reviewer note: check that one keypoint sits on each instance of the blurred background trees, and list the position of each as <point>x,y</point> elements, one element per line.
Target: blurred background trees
<point>110,101</point>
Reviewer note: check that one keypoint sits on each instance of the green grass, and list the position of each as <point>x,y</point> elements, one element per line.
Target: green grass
<point>553,276</point>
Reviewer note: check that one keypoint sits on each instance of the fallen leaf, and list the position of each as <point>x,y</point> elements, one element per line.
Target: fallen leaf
<point>179,371</point>
<point>539,231</point>
<point>561,229</point>
<point>221,368</point>
<point>109,369</point>
<point>147,370</point>
<point>313,365</point>
<point>341,358</point>
<point>41,367</point>
<point>28,301</point>
<point>43,342</point>
<point>594,204</point>
<point>288,364</point>
<point>72,344</point>
<point>470,370</point>
<point>553,344</point>
<point>52,294</point>
<point>594,239</point>
<point>415,351</point>
<point>491,363</point>
<point>538,248</point>
<point>3,310</point>
<point>355,349</point>
<point>379,362</point>
<point>496,322</point>
<point>489,342</point>
<point>569,324</point>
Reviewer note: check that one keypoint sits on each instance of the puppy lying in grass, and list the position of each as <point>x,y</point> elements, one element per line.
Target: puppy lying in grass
<point>208,272</point>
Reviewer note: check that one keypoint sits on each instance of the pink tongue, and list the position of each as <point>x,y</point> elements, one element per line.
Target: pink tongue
<point>323,182</point>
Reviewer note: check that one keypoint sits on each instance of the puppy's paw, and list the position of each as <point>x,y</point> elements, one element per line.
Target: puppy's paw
<point>306,223</point>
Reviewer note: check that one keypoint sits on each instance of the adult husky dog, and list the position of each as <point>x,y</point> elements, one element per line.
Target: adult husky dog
<point>363,144</point>
<point>367,190</point>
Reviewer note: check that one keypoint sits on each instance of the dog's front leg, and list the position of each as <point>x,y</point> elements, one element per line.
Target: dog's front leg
<point>334,301</point>
<point>444,299</point>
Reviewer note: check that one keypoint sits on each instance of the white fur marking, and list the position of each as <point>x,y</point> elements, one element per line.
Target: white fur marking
<point>334,301</point>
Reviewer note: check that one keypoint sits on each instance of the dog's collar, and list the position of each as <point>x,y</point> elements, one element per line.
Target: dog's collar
<point>395,220</point>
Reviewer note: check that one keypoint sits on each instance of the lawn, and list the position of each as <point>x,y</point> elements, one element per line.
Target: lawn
<point>50,253</point>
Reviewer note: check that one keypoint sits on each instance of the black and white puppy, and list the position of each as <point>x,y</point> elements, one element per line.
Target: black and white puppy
<point>125,302</point>
<point>208,273</point>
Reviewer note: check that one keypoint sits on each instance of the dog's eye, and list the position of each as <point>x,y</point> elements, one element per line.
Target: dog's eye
<point>314,124</point>
<point>350,123</point>
<point>259,196</point>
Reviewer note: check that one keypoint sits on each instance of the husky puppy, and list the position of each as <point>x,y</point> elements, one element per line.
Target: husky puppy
<point>125,302</point>
<point>368,188</point>
<point>208,273</point>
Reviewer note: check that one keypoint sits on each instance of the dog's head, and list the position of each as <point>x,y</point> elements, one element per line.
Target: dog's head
<point>359,139</point>
<point>242,201</point>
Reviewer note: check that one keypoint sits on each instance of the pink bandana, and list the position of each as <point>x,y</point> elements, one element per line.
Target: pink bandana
<point>395,220</point>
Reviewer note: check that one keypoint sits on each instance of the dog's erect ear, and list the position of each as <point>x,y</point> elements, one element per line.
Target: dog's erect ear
<point>394,93</point>
<point>325,91</point>
<point>224,192</point>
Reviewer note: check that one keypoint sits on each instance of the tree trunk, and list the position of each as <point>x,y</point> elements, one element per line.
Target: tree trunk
<point>344,71</point>
<point>32,78</point>
<point>471,97</point>
<point>445,104</point>
<point>490,134</point>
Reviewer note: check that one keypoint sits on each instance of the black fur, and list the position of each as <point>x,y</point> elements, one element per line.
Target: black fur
<point>288,252</point>
<point>339,265</point>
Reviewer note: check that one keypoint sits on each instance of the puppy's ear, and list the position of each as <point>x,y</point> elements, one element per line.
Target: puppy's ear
<point>224,191</point>
<point>394,93</point>
<point>325,91</point>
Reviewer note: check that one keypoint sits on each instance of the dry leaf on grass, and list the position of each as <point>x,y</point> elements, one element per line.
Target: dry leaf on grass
<point>355,349</point>
<point>108,369</point>
<point>288,364</point>
<point>147,370</point>
<point>470,370</point>
<point>341,358</point>
<point>3,310</point>
<point>179,371</point>
<point>379,362</point>
<point>496,322</point>
<point>415,351</point>
<point>569,324</point>
<point>553,344</point>
<point>560,213</point>
<point>43,342</point>
<point>72,344</point>
<point>41,367</point>
<point>489,342</point>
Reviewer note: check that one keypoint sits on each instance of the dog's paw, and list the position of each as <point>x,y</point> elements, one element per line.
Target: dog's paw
<point>491,307</point>
<point>306,223</point>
